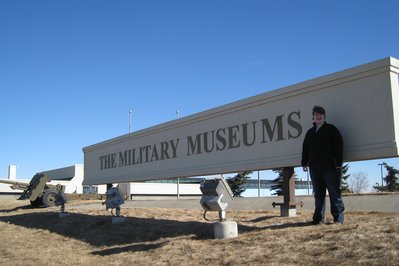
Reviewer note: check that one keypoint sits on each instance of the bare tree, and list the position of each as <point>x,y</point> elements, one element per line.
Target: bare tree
<point>358,182</point>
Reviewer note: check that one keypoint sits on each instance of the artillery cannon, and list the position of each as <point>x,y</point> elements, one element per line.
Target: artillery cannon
<point>39,192</point>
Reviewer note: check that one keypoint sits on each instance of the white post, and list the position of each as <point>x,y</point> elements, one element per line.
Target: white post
<point>12,172</point>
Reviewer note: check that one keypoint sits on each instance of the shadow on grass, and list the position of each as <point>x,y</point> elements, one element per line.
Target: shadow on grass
<point>261,219</point>
<point>275,226</point>
<point>17,208</point>
<point>98,230</point>
<point>130,248</point>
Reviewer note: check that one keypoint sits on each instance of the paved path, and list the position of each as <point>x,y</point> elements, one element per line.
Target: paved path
<point>388,202</point>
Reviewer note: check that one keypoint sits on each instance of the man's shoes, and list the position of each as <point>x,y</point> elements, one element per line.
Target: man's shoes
<point>338,223</point>
<point>317,222</point>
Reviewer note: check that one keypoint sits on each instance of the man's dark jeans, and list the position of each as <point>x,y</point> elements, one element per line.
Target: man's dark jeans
<point>325,176</point>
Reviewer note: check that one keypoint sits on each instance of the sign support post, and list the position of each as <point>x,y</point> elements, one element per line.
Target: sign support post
<point>288,207</point>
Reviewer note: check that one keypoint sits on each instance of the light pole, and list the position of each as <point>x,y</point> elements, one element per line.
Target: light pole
<point>130,120</point>
<point>178,180</point>
<point>127,185</point>
<point>258,184</point>
<point>382,179</point>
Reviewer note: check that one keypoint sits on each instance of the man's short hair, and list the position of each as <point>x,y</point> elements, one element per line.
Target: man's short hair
<point>319,110</point>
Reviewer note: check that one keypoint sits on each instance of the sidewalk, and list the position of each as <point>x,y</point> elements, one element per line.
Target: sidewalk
<point>388,202</point>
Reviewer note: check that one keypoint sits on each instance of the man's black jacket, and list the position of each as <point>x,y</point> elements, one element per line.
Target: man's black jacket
<point>323,146</point>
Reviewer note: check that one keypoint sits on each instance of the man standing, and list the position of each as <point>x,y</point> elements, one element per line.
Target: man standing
<point>322,153</point>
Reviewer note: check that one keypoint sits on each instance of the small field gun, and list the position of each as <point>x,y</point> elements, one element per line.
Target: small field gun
<point>39,192</point>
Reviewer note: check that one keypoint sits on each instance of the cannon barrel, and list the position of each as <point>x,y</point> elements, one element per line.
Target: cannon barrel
<point>11,182</point>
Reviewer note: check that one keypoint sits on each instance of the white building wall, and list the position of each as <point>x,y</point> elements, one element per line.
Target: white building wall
<point>164,189</point>
<point>75,173</point>
<point>101,189</point>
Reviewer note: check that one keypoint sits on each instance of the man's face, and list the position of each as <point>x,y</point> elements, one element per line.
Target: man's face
<point>319,118</point>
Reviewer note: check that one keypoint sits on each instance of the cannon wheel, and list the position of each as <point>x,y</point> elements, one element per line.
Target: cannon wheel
<point>49,198</point>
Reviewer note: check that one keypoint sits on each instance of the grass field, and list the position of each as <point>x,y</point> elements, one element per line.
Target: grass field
<point>183,237</point>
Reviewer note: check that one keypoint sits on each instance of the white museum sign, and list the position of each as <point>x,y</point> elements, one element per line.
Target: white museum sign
<point>261,132</point>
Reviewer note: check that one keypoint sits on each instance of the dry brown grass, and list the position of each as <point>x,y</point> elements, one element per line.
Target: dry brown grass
<point>182,237</point>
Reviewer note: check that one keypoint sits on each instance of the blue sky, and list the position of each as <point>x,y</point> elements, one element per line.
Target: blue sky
<point>70,71</point>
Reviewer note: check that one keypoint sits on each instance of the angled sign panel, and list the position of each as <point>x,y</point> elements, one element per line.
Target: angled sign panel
<point>261,132</point>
